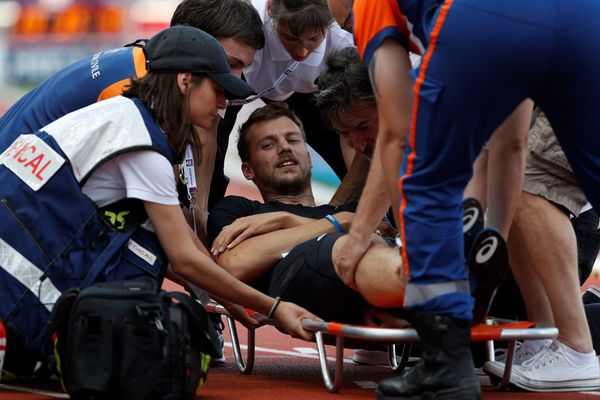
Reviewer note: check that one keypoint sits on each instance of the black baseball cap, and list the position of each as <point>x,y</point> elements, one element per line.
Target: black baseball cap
<point>183,48</point>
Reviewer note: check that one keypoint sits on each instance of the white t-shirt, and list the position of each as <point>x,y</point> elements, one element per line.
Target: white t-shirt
<point>270,63</point>
<point>145,175</point>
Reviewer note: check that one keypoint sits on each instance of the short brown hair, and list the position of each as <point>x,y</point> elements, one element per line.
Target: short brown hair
<point>222,19</point>
<point>269,112</point>
<point>298,16</point>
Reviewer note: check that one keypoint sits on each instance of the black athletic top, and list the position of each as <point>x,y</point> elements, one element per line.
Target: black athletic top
<point>230,208</point>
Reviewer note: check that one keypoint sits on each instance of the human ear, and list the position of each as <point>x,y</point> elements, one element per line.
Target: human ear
<point>247,171</point>
<point>184,81</point>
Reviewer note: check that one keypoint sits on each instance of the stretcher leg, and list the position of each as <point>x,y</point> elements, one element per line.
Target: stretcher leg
<point>332,386</point>
<point>393,361</point>
<point>245,367</point>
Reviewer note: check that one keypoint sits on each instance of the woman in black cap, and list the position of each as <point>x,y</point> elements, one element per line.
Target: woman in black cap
<point>91,197</point>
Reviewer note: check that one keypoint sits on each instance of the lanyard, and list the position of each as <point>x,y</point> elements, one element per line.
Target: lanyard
<point>288,72</point>
<point>190,181</point>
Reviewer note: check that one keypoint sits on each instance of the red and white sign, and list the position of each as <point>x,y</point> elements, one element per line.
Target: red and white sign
<point>32,160</point>
<point>141,252</point>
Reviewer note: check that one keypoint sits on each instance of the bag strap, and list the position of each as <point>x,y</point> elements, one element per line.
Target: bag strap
<point>59,320</point>
<point>209,340</point>
<point>60,310</point>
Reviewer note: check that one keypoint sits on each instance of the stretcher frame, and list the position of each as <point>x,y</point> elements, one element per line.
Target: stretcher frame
<point>492,330</point>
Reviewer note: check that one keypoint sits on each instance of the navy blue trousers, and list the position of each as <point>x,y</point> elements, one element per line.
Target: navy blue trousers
<point>485,57</point>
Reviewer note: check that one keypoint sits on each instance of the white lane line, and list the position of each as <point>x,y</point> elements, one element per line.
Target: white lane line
<point>366,384</point>
<point>306,350</point>
<point>34,391</point>
<point>289,353</point>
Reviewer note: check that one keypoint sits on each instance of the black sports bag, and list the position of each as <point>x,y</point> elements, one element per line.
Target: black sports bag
<point>126,340</point>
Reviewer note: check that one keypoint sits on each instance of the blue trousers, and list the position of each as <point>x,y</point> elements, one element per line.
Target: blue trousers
<point>485,57</point>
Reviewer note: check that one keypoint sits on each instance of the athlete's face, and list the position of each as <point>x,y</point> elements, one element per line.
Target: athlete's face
<point>239,54</point>
<point>204,100</point>
<point>300,47</point>
<point>279,162</point>
<point>359,128</point>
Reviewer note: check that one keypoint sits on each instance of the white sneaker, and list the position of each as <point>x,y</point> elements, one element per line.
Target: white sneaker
<point>551,370</point>
<point>523,352</point>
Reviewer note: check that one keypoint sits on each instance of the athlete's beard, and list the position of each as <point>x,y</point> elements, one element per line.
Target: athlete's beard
<point>290,187</point>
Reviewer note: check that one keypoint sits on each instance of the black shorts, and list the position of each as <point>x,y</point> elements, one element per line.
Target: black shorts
<point>306,276</point>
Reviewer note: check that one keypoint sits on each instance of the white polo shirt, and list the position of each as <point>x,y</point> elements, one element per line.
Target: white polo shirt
<point>270,63</point>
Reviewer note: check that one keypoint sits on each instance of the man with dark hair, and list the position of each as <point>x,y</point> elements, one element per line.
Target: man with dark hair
<point>346,101</point>
<point>234,23</point>
<point>287,245</point>
<point>223,19</point>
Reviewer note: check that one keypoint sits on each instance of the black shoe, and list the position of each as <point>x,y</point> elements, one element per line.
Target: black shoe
<point>588,242</point>
<point>446,369</point>
<point>472,222</point>
<point>488,267</point>
<point>217,321</point>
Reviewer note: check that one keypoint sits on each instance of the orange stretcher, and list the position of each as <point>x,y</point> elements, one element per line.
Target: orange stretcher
<point>492,330</point>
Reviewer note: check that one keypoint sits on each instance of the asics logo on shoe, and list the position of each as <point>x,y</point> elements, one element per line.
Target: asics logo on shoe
<point>470,216</point>
<point>487,250</point>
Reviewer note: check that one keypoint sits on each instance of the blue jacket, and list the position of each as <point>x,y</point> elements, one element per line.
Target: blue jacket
<point>82,83</point>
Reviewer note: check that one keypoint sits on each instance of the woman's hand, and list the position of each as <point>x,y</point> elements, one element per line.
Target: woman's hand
<point>290,317</point>
<point>239,314</point>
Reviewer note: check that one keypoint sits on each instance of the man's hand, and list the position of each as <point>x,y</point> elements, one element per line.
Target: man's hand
<point>346,260</point>
<point>290,317</point>
<point>245,227</point>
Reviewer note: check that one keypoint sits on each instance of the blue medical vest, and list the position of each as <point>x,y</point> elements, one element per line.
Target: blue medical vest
<point>52,237</point>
